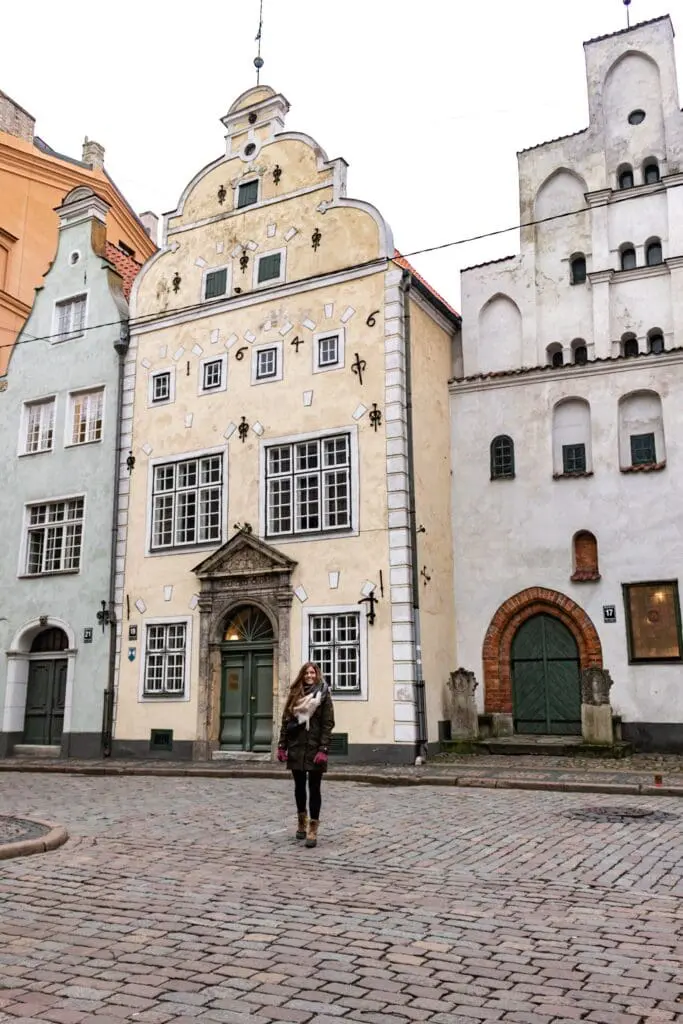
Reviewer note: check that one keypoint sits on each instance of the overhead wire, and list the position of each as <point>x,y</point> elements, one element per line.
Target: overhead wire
<point>159,317</point>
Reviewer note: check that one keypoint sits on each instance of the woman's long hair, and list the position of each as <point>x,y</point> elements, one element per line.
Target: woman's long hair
<point>296,690</point>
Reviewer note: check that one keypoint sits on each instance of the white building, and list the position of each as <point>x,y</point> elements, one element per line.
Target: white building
<point>567,420</point>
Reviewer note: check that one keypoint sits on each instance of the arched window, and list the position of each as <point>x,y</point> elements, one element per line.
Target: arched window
<point>641,432</point>
<point>625,176</point>
<point>554,354</point>
<point>655,341</point>
<point>578,269</point>
<point>502,458</point>
<point>49,641</point>
<point>650,172</point>
<point>629,345</point>
<point>572,438</point>
<point>585,557</point>
<point>653,252</point>
<point>580,351</point>
<point>627,257</point>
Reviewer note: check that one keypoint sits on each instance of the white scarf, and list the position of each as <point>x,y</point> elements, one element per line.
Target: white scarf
<point>308,706</point>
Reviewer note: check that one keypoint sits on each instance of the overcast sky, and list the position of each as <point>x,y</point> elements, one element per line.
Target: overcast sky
<point>428,107</point>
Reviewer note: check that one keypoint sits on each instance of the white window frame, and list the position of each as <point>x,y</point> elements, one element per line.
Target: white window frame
<point>340,335</point>
<point>350,609</point>
<point>307,538</point>
<point>70,335</point>
<point>22,568</point>
<point>282,253</point>
<point>23,426</point>
<point>151,404</point>
<point>228,282</point>
<point>223,360</point>
<point>149,518</point>
<point>279,362</point>
<point>166,620</point>
<point>69,418</point>
<point>247,181</point>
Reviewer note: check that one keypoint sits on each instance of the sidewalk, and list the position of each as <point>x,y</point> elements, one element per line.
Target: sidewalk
<point>634,775</point>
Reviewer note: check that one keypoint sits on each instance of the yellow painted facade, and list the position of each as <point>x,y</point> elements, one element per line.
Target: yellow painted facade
<point>300,507</point>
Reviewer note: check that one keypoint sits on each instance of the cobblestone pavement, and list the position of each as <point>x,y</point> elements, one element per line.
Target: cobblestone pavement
<point>187,899</point>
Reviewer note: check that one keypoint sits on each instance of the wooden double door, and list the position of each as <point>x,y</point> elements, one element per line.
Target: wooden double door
<point>45,700</point>
<point>246,698</point>
<point>546,678</point>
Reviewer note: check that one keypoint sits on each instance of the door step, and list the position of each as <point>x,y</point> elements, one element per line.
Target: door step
<point>35,750</point>
<point>239,755</point>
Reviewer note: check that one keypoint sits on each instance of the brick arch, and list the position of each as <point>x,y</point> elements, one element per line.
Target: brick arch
<point>505,623</point>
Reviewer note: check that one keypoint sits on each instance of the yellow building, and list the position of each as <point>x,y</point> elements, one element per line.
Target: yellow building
<point>290,409</point>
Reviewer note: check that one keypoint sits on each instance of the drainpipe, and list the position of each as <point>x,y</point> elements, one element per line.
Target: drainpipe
<point>420,708</point>
<point>121,346</point>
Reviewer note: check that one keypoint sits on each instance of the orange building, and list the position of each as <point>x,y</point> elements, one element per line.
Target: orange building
<point>33,181</point>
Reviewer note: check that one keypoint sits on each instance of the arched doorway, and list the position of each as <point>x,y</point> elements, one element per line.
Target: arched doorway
<point>246,709</point>
<point>546,678</point>
<point>46,688</point>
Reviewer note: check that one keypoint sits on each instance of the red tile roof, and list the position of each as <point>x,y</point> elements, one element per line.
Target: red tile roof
<point>127,267</point>
<point>403,262</point>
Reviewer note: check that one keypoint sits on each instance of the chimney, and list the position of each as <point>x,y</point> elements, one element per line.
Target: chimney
<point>150,223</point>
<point>93,154</point>
<point>15,120</point>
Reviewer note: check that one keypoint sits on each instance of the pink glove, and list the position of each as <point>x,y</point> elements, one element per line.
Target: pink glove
<point>281,755</point>
<point>320,759</point>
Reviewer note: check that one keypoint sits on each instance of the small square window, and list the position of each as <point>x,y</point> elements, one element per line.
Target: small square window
<point>213,374</point>
<point>269,267</point>
<point>643,449</point>
<point>247,194</point>
<point>266,363</point>
<point>216,283</point>
<point>328,350</point>
<point>161,387</point>
<point>574,458</point>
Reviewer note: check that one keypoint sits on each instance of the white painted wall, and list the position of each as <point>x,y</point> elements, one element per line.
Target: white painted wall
<point>514,534</point>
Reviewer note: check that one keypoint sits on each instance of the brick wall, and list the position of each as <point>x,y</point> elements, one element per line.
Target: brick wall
<point>15,120</point>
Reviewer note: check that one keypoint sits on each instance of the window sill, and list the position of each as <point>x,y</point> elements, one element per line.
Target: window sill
<point>573,476</point>
<point>645,467</point>
<point>40,451</point>
<point>294,538</point>
<point>50,572</point>
<point>164,696</point>
<point>182,549</point>
<point>81,444</point>
<point>585,576</point>
<point>503,476</point>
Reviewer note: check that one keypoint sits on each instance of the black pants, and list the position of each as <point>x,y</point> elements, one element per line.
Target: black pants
<point>315,800</point>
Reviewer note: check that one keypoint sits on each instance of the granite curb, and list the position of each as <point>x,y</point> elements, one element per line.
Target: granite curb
<point>369,777</point>
<point>55,837</point>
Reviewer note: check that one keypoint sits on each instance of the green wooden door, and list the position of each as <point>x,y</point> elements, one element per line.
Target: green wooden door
<point>546,684</point>
<point>246,699</point>
<point>45,698</point>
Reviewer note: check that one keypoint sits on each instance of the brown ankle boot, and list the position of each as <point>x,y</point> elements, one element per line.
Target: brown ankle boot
<point>302,825</point>
<point>312,834</point>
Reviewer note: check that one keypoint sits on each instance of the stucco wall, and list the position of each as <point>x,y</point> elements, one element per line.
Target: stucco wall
<point>39,369</point>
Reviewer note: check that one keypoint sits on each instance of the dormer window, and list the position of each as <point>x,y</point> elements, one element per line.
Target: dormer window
<point>625,177</point>
<point>580,351</point>
<point>629,346</point>
<point>247,194</point>
<point>655,342</point>
<point>651,173</point>
<point>555,355</point>
<point>628,258</point>
<point>578,269</point>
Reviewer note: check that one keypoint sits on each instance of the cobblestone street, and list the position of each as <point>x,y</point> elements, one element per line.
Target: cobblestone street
<point>188,899</point>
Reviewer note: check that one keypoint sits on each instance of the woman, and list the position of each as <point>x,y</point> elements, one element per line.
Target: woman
<point>307,724</point>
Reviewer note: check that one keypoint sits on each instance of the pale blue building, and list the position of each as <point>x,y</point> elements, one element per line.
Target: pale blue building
<point>64,428</point>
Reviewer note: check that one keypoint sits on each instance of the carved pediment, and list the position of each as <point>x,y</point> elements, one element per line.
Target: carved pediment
<point>244,555</point>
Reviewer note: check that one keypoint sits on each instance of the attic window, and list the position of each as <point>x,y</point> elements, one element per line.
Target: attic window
<point>126,249</point>
<point>247,194</point>
<point>636,117</point>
